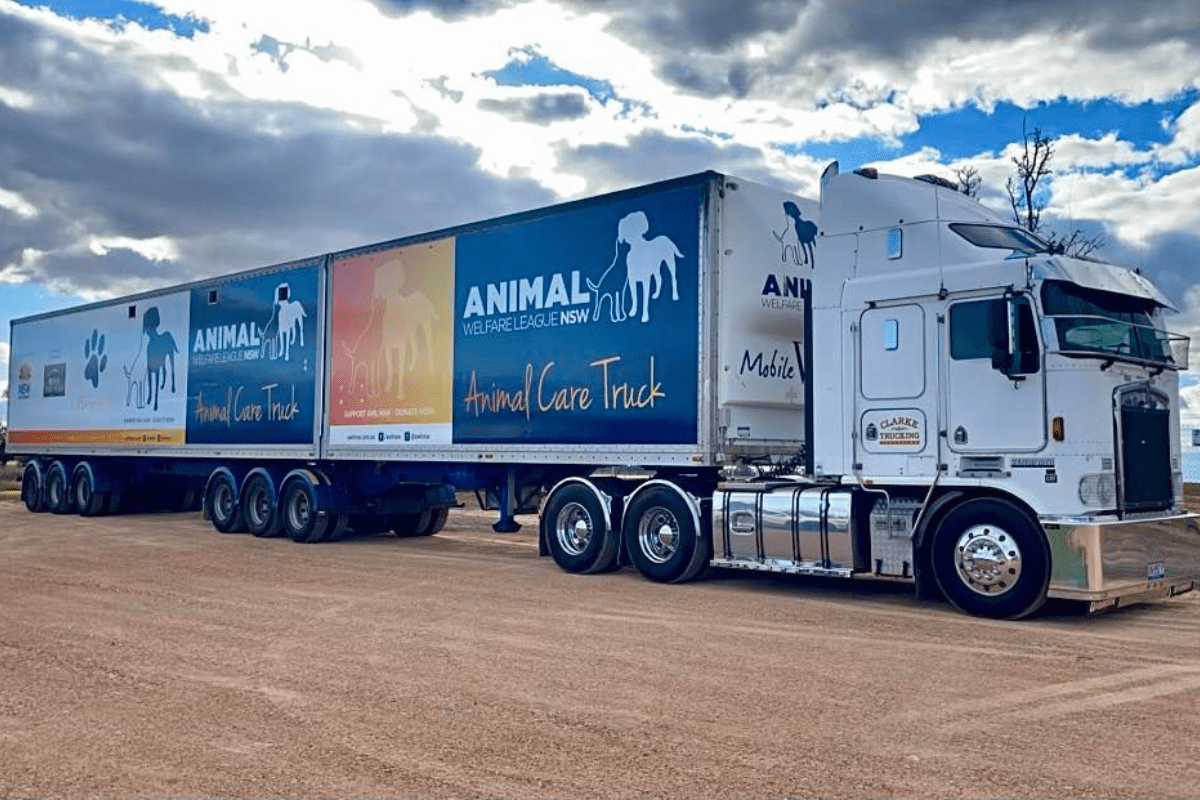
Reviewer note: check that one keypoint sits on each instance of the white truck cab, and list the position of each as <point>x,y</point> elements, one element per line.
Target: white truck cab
<point>989,416</point>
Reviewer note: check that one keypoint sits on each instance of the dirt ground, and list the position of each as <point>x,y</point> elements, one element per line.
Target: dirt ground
<point>149,656</point>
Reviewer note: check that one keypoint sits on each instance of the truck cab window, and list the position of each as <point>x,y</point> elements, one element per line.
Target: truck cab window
<point>979,327</point>
<point>1090,321</point>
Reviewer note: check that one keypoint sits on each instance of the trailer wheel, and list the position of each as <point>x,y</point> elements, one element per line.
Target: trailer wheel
<point>33,488</point>
<point>437,519</point>
<point>258,501</point>
<point>222,506</point>
<point>88,502</point>
<point>990,560</point>
<point>58,490</point>
<point>298,513</point>
<point>577,530</point>
<point>661,535</point>
<point>423,523</point>
<point>369,524</point>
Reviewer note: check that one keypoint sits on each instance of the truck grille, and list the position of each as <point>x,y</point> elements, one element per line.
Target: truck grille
<point>1146,458</point>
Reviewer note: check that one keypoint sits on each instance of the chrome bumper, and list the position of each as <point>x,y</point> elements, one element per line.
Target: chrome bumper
<point>1123,561</point>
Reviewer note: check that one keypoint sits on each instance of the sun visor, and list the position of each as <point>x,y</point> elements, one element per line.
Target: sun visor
<point>1108,278</point>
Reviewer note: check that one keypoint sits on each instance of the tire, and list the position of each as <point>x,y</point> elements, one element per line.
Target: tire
<point>33,488</point>
<point>577,530</point>
<point>191,498</point>
<point>437,519</point>
<point>661,537</point>
<point>260,508</point>
<point>369,524</point>
<point>299,515</point>
<point>58,490</point>
<point>222,506</point>
<point>88,502</point>
<point>411,526</point>
<point>991,560</point>
<point>425,523</point>
<point>337,527</point>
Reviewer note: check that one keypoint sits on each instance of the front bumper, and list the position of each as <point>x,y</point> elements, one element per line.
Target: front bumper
<point>1118,562</point>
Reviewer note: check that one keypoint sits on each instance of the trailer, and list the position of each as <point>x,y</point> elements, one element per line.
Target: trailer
<point>705,372</point>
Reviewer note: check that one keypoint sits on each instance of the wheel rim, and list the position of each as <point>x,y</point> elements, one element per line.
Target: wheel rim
<point>299,511</point>
<point>259,505</point>
<point>54,490</point>
<point>659,534</point>
<point>574,528</point>
<point>988,560</point>
<point>223,502</point>
<point>83,491</point>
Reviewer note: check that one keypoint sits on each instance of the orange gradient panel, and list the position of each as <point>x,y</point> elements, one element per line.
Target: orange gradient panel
<point>392,355</point>
<point>139,437</point>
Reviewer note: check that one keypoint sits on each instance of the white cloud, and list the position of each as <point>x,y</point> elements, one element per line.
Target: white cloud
<point>15,98</point>
<point>1136,209</point>
<point>17,204</point>
<point>160,248</point>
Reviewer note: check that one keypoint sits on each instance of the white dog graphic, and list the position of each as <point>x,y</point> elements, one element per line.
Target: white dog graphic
<point>645,260</point>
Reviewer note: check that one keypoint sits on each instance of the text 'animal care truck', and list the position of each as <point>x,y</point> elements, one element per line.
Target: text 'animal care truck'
<point>702,372</point>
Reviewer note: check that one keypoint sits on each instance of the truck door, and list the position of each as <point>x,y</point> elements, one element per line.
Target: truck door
<point>995,385</point>
<point>894,406</point>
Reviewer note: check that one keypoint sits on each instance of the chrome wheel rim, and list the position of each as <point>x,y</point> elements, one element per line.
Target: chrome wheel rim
<point>988,560</point>
<point>659,534</point>
<point>573,528</point>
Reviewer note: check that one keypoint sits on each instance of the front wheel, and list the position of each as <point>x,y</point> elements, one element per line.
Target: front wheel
<point>661,535</point>
<point>990,560</point>
<point>578,532</point>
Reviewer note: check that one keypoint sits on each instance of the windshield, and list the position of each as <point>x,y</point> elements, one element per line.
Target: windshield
<point>1092,321</point>
<point>1000,236</point>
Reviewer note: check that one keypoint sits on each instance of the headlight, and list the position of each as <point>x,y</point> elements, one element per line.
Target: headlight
<point>1098,490</point>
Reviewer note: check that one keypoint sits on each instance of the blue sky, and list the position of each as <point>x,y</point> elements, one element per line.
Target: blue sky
<point>146,144</point>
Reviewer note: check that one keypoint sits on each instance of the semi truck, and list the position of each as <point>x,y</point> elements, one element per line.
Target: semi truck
<point>890,381</point>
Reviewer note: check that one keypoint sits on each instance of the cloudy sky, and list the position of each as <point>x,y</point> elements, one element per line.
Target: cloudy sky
<point>146,144</point>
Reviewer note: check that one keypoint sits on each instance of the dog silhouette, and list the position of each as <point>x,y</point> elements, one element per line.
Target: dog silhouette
<point>160,348</point>
<point>645,261</point>
<point>613,285</point>
<point>798,235</point>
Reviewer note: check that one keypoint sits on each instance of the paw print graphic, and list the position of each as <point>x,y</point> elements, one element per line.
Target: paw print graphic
<point>93,351</point>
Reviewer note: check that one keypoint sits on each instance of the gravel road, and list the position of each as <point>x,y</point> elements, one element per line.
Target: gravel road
<point>149,656</point>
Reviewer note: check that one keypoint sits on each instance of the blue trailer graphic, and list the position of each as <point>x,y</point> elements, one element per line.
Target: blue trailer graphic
<point>252,359</point>
<point>581,327</point>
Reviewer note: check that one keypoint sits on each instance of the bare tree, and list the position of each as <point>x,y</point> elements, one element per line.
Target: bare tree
<point>969,181</point>
<point>1032,165</point>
